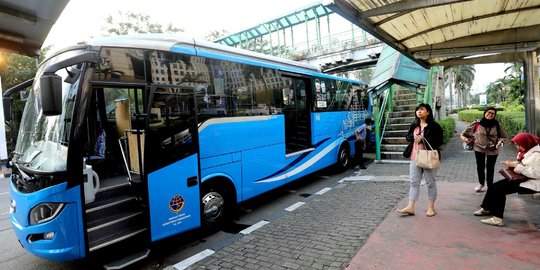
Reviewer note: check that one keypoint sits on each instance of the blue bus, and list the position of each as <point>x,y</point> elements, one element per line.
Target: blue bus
<point>133,139</point>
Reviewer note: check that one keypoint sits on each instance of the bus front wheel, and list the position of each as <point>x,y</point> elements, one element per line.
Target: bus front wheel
<point>344,158</point>
<point>213,207</point>
<point>217,200</point>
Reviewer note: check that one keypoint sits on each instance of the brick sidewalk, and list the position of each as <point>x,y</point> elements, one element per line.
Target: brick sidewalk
<point>329,229</point>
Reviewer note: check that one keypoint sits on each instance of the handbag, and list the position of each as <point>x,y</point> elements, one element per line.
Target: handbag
<point>427,159</point>
<point>512,176</point>
<point>408,150</point>
<point>470,146</point>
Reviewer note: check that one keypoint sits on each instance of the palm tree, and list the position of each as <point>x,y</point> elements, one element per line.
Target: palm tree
<point>497,91</point>
<point>515,69</point>
<point>462,77</point>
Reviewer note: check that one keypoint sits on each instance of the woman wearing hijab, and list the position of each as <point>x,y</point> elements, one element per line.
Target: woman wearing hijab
<point>528,164</point>
<point>488,137</point>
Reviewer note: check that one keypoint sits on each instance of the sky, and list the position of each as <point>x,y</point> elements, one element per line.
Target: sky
<point>485,74</point>
<point>83,19</point>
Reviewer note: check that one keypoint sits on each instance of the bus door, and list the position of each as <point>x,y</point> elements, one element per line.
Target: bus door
<point>171,160</point>
<point>296,100</point>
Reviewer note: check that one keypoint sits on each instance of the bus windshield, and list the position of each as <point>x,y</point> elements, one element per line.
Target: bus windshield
<point>42,140</point>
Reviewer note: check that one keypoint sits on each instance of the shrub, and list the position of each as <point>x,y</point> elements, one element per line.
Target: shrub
<point>449,126</point>
<point>512,122</point>
<point>515,105</point>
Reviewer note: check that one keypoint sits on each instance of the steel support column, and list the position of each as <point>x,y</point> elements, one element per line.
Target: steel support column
<point>532,93</point>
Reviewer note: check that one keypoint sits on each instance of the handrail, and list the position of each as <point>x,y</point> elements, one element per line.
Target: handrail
<point>382,117</point>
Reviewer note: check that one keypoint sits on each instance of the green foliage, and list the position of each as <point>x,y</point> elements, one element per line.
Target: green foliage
<point>449,126</point>
<point>364,74</point>
<point>16,69</point>
<point>461,78</point>
<point>509,88</point>
<point>214,35</point>
<point>512,122</point>
<point>470,115</point>
<point>515,105</point>
<point>134,23</point>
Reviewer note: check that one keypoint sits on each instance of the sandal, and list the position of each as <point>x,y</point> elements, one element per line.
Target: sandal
<point>406,212</point>
<point>491,221</point>
<point>478,188</point>
<point>431,213</point>
<point>481,212</point>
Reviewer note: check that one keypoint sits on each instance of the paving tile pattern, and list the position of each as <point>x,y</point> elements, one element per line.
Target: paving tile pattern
<point>327,231</point>
<point>322,234</point>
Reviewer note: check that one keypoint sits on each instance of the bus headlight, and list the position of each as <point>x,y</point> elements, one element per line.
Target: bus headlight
<point>44,212</point>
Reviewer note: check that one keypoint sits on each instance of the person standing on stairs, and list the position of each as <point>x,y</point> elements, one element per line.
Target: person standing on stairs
<point>488,137</point>
<point>362,136</point>
<point>424,127</point>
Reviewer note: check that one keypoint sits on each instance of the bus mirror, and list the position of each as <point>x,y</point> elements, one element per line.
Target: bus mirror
<point>51,94</point>
<point>7,108</point>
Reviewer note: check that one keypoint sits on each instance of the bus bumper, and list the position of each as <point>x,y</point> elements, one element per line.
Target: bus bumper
<point>59,239</point>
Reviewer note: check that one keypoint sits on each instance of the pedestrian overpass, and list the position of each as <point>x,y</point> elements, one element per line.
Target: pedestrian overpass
<point>315,35</point>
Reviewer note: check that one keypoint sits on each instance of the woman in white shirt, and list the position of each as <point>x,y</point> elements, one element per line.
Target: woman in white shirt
<point>528,164</point>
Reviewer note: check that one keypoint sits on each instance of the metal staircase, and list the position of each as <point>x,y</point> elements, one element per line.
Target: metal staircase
<point>393,141</point>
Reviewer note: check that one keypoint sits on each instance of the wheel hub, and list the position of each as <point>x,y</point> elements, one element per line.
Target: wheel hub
<point>343,157</point>
<point>212,206</point>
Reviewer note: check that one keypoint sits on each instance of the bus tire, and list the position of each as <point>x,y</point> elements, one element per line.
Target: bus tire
<point>343,158</point>
<point>216,204</point>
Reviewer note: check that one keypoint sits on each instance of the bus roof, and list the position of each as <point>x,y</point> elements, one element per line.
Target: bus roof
<point>186,44</point>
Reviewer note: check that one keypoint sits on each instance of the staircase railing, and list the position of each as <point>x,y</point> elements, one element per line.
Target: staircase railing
<point>381,116</point>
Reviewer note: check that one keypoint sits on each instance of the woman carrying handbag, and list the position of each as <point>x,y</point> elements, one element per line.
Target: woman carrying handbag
<point>487,136</point>
<point>424,127</point>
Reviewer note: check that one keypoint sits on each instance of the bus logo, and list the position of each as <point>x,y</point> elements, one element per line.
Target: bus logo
<point>176,204</point>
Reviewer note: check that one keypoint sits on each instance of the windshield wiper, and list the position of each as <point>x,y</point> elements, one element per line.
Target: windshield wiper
<point>32,158</point>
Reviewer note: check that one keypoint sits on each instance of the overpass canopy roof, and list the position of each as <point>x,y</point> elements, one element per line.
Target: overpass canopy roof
<point>24,24</point>
<point>447,32</point>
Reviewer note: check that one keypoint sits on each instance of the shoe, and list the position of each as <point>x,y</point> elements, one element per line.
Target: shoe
<point>478,188</point>
<point>431,213</point>
<point>406,212</point>
<point>481,212</point>
<point>491,221</point>
<point>362,167</point>
<point>356,168</point>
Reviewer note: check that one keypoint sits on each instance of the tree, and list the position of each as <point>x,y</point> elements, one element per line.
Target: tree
<point>461,78</point>
<point>216,35</point>
<point>514,83</point>
<point>134,23</point>
<point>364,74</point>
<point>16,69</point>
<point>510,88</point>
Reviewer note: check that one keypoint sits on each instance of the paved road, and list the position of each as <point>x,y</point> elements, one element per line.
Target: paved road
<point>329,229</point>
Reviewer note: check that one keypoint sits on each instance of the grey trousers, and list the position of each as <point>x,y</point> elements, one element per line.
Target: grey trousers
<point>415,174</point>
